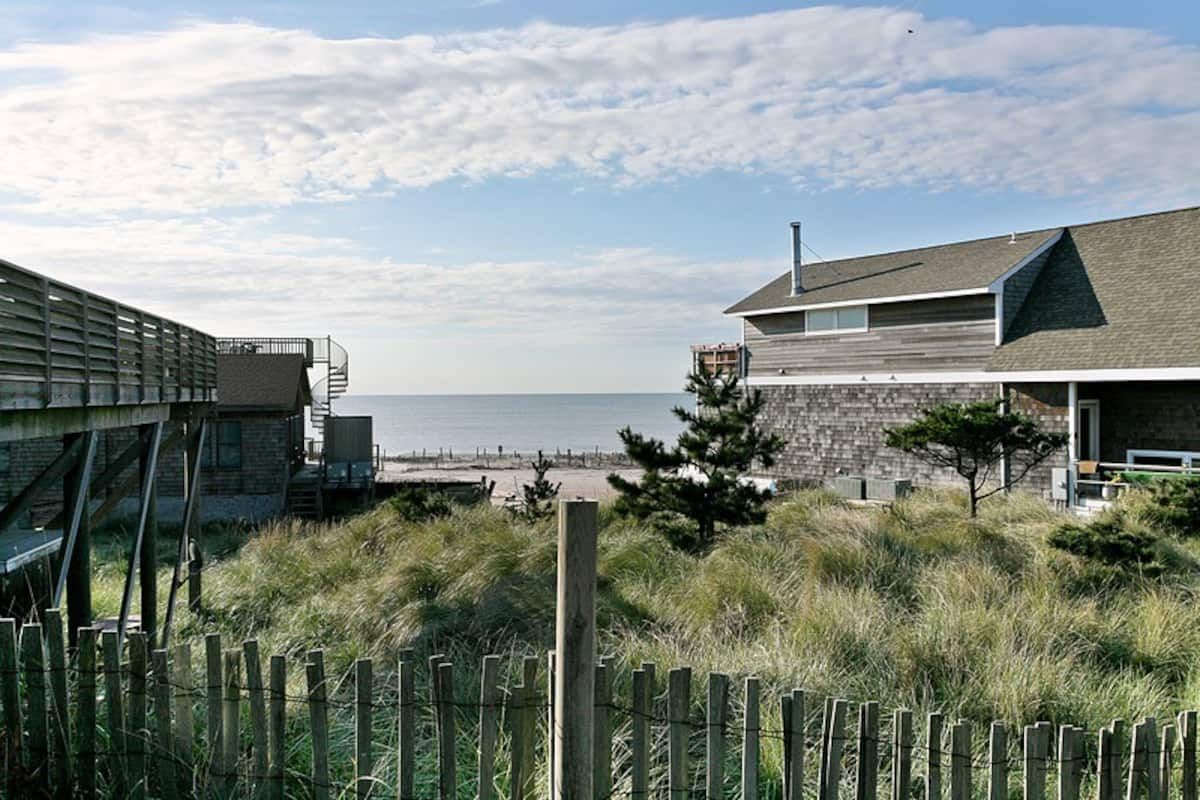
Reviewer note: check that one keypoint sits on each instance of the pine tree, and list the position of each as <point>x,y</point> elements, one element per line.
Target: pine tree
<point>537,498</point>
<point>699,477</point>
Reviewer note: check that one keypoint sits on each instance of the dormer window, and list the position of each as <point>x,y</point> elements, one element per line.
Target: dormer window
<point>851,319</point>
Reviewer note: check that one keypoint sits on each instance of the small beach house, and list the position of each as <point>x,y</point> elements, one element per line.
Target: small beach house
<point>1093,329</point>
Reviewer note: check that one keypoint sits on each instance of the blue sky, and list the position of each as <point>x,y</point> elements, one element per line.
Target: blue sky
<point>533,196</point>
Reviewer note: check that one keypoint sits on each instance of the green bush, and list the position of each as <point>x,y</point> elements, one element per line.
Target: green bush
<point>417,504</point>
<point>1107,540</point>
<point>1174,506</point>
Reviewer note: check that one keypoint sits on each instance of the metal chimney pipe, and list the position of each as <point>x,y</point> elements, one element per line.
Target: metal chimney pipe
<point>797,285</point>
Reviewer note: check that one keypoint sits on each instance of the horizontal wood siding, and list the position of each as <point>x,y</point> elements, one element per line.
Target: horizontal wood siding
<point>948,334</point>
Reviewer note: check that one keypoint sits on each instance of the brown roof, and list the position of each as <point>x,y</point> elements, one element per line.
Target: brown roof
<point>941,268</point>
<point>259,382</point>
<point>1120,294</point>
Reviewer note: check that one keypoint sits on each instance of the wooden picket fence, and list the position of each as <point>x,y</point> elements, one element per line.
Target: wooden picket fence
<point>122,721</point>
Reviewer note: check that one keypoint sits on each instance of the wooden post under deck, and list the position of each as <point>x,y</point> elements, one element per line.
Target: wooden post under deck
<point>77,553</point>
<point>148,562</point>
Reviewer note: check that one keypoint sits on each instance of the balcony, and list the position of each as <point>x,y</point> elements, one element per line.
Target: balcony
<point>271,346</point>
<point>62,347</point>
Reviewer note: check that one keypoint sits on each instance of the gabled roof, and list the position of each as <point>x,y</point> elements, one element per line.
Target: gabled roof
<point>1120,294</point>
<point>945,268</point>
<point>260,382</point>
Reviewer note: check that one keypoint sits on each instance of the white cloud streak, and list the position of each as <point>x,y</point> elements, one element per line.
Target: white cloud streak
<point>207,116</point>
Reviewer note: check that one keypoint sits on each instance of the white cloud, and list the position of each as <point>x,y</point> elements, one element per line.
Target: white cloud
<point>207,116</point>
<point>234,278</point>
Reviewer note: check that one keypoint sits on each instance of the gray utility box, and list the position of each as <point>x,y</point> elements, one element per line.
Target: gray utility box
<point>849,488</point>
<point>888,489</point>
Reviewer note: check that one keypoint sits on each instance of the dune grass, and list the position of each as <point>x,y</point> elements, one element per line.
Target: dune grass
<point>915,605</point>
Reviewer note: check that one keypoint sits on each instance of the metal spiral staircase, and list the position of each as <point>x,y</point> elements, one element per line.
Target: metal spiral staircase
<point>337,379</point>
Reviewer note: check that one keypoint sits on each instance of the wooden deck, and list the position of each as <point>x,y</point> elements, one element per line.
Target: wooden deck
<point>19,547</point>
<point>62,347</point>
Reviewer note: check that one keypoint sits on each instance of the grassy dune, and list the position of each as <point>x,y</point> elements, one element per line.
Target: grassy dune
<point>914,605</point>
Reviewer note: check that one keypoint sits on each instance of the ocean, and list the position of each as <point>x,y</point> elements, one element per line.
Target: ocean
<point>523,423</point>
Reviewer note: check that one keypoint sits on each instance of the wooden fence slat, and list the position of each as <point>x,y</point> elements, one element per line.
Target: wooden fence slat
<point>33,666</point>
<point>10,700</point>
<point>997,762</point>
<point>114,702</point>
<point>1153,753</point>
<point>1104,758</point>
<point>902,744</point>
<point>639,744</point>
<point>137,734</point>
<point>1116,784</point>
<point>750,733</point>
<point>679,690</point>
<point>602,734</point>
<point>933,762</point>
<point>960,761</point>
<point>258,716</point>
<point>1187,756</point>
<point>406,724</point>
<point>837,744</point>
<point>823,761</point>
<point>164,750</point>
<point>866,782</point>
<point>318,715</point>
<point>231,720</point>
<point>1032,790</point>
<point>447,776</point>
<point>551,671</point>
<point>60,713</point>
<point>528,718</point>
<point>489,698</point>
<point>215,683</point>
<point>1166,760</point>
<point>362,728</point>
<point>794,785</point>
<point>277,727</point>
<point>717,717</point>
<point>1138,772</point>
<point>85,700</point>
<point>513,716</point>
<point>185,725</point>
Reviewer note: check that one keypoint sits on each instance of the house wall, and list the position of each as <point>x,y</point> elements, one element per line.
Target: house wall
<point>1146,416</point>
<point>832,429</point>
<point>945,334</point>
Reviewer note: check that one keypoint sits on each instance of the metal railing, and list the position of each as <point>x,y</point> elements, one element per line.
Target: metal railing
<point>273,346</point>
<point>64,347</point>
<point>1108,483</point>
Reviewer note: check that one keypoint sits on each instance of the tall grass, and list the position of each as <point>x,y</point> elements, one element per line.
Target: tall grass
<point>914,605</point>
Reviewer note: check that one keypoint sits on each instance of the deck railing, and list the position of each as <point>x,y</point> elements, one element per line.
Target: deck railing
<point>63,347</point>
<point>272,346</point>
<point>1106,481</point>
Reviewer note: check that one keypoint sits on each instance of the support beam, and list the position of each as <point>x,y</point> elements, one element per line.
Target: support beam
<point>111,472</point>
<point>135,556</point>
<point>131,482</point>
<point>195,443</point>
<point>50,476</point>
<point>148,564</point>
<point>44,423</point>
<point>75,564</point>
<point>1072,439</point>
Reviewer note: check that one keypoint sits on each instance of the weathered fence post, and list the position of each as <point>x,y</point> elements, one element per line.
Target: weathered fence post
<point>794,754</point>
<point>1104,757</point>
<point>258,716</point>
<point>679,700</point>
<point>639,777</point>
<point>866,780</point>
<point>362,728</point>
<point>136,737</point>
<point>116,710</point>
<point>1153,753</point>
<point>1138,771</point>
<point>489,697</point>
<point>319,720</point>
<point>750,729</point>
<point>575,649</point>
<point>1187,735</point>
<point>960,761</point>
<point>185,732</point>
<point>602,735</point>
<point>837,743</point>
<point>406,727</point>
<point>933,765</point>
<point>902,744</point>
<point>447,758</point>
<point>33,665</point>
<point>60,714</point>
<point>998,768</point>
<point>277,724</point>
<point>85,741</point>
<point>717,718</point>
<point>212,665</point>
<point>10,698</point>
<point>527,717</point>
<point>231,719</point>
<point>164,751</point>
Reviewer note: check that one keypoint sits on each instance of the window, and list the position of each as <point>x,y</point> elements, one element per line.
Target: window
<point>222,446</point>
<point>229,444</point>
<point>836,320</point>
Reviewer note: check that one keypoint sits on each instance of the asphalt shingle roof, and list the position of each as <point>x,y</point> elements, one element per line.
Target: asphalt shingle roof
<point>1121,294</point>
<point>941,268</point>
<point>261,382</point>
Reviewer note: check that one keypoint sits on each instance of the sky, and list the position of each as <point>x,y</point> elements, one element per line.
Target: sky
<point>533,196</point>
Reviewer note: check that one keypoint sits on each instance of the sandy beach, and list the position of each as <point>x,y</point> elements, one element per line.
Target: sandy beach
<point>576,481</point>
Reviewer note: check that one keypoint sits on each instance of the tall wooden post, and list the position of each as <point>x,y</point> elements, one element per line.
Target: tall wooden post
<point>148,560</point>
<point>192,520</point>
<point>79,566</point>
<point>575,650</point>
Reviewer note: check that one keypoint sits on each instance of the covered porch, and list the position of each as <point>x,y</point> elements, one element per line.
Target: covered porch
<point>1129,433</point>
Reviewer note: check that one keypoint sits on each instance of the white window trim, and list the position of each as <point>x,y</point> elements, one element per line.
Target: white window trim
<point>840,331</point>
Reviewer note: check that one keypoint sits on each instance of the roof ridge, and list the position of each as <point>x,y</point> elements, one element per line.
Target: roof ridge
<point>1133,216</point>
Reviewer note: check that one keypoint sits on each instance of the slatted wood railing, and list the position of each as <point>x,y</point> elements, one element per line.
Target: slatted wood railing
<point>63,347</point>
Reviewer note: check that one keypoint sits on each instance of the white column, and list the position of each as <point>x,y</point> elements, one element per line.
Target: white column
<point>1072,439</point>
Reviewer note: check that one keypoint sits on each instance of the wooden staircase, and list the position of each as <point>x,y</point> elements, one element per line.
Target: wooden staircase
<point>304,495</point>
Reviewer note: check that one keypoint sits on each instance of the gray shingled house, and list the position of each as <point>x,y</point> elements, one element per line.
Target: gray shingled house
<point>1094,329</point>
